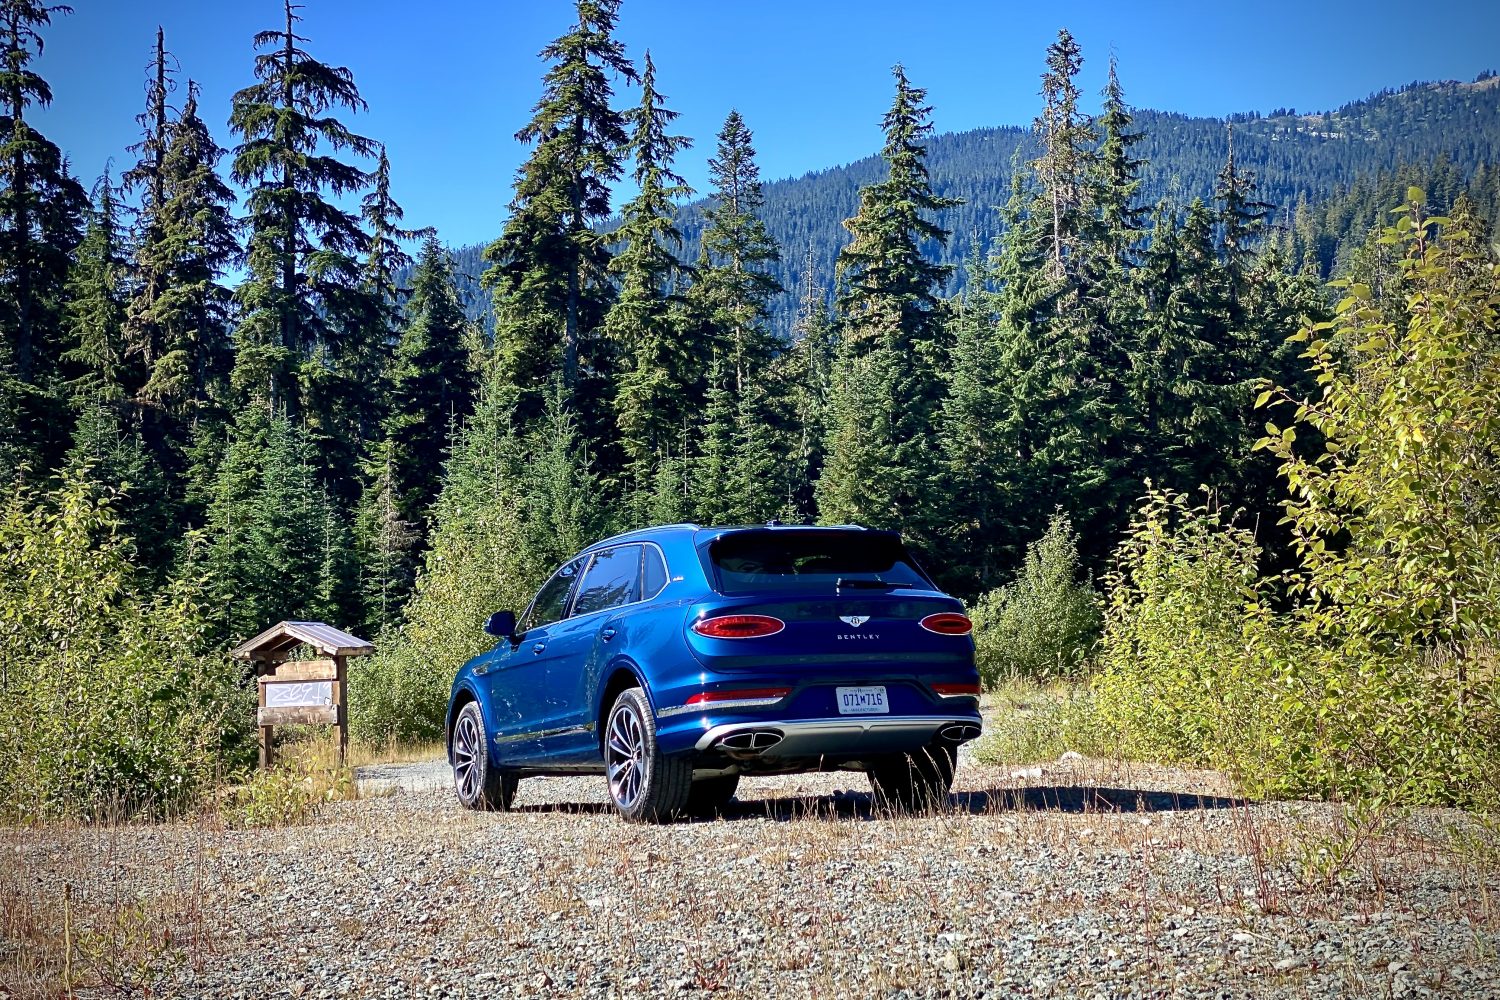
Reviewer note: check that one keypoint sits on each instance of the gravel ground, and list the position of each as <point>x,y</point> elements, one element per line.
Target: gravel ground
<point>1080,879</point>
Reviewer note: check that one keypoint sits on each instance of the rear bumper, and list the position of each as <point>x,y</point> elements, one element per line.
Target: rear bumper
<point>844,735</point>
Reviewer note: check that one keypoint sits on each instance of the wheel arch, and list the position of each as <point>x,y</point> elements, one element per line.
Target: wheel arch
<point>621,676</point>
<point>461,697</point>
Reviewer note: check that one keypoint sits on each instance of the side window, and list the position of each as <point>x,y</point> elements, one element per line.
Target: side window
<point>653,572</point>
<point>552,600</point>
<point>613,579</point>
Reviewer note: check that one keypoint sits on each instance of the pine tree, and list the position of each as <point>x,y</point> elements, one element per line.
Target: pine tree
<point>94,310</point>
<point>1241,217</point>
<point>1067,314</point>
<point>671,494</point>
<point>715,459</point>
<point>351,400</point>
<point>1065,168</point>
<point>801,378</point>
<point>880,472</point>
<point>652,389</point>
<point>755,471</point>
<point>143,333</point>
<point>1119,174</point>
<point>890,295</point>
<point>303,253</point>
<point>1181,313</point>
<point>733,285</point>
<point>177,321</point>
<point>114,461</point>
<point>388,545</point>
<point>549,268</point>
<point>275,532</point>
<point>372,325</point>
<point>432,387</point>
<point>108,451</point>
<point>559,487</point>
<point>859,482</point>
<point>41,209</point>
<point>978,469</point>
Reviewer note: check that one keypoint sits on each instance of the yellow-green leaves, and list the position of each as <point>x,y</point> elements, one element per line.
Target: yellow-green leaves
<point>1379,680</point>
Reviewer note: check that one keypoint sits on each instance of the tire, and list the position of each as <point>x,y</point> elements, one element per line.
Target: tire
<point>913,782</point>
<point>476,780</point>
<point>709,796</point>
<point>644,785</point>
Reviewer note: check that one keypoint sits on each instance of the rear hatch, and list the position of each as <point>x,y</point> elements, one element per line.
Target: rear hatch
<point>848,607</point>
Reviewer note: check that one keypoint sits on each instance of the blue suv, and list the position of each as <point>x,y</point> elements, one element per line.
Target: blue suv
<point>674,660</point>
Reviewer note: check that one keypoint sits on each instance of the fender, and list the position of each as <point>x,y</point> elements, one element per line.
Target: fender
<point>462,684</point>
<point>618,662</point>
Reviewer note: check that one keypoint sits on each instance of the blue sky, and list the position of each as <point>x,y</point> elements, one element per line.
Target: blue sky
<point>450,81</point>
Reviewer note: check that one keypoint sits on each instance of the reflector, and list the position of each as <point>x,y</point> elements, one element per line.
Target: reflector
<point>741,694</point>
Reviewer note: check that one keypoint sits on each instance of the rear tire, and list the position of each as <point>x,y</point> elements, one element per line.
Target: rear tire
<point>913,782</point>
<point>478,783</point>
<point>645,785</point>
<point>709,796</point>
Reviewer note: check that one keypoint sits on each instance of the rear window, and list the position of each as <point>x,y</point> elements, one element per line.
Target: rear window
<point>757,561</point>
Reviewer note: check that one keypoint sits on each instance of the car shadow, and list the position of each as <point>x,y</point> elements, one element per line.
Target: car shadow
<point>861,805</point>
<point>1088,799</point>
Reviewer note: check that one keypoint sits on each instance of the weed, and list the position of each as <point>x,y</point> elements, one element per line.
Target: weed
<point>1325,857</point>
<point>291,793</point>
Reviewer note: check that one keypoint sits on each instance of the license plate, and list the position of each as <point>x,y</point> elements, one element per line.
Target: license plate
<point>862,701</point>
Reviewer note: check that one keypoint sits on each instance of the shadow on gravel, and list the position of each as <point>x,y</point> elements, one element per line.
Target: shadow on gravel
<point>1086,799</point>
<point>858,805</point>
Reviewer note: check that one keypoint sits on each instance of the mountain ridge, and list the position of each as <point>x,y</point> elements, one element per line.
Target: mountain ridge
<point>1295,157</point>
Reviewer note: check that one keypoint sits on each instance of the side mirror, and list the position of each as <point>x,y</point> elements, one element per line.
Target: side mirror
<point>501,625</point>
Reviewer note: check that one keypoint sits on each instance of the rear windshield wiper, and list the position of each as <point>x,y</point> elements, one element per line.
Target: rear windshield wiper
<point>843,584</point>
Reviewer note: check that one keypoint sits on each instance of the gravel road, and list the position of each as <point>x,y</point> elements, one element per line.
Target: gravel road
<point>1079,879</point>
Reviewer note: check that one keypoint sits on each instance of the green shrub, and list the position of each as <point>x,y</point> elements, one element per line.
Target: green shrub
<point>1187,671</point>
<point>1396,517</point>
<point>1029,722</point>
<point>1045,622</point>
<point>290,793</point>
<point>109,700</point>
<point>1375,685</point>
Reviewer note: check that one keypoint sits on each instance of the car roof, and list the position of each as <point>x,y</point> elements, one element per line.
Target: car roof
<point>701,532</point>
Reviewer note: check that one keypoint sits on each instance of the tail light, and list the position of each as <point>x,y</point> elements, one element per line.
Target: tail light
<point>739,626</point>
<point>949,690</point>
<point>947,623</point>
<point>740,696</point>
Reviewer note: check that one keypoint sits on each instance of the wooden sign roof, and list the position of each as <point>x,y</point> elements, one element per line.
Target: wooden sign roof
<point>286,636</point>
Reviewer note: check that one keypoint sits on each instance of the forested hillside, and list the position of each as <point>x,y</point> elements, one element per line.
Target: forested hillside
<point>1443,136</point>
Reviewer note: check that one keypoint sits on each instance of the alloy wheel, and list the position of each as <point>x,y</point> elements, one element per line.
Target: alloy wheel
<point>625,755</point>
<point>467,746</point>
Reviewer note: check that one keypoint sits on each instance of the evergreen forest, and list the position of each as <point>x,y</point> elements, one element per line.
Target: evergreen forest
<point>238,385</point>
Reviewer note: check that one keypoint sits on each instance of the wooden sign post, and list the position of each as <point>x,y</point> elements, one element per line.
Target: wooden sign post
<point>304,691</point>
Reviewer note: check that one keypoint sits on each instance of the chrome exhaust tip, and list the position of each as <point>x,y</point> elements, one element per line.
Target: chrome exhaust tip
<point>765,740</point>
<point>958,732</point>
<point>750,742</point>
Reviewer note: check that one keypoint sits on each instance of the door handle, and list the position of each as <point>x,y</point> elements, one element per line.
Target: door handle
<point>607,634</point>
<point>539,647</point>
